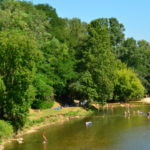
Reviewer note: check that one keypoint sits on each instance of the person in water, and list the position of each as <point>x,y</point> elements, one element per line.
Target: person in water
<point>148,115</point>
<point>44,138</point>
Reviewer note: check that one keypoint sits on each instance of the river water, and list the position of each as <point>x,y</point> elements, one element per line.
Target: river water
<point>110,130</point>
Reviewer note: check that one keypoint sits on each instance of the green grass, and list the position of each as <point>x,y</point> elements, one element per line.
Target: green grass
<point>6,130</point>
<point>72,113</point>
<point>30,123</point>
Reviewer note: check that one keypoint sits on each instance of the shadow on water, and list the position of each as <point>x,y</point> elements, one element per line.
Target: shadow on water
<point>110,130</point>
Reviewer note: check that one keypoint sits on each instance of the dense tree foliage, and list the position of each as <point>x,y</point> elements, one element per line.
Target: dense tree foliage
<point>127,86</point>
<point>136,55</point>
<point>44,58</point>
<point>18,53</point>
<point>98,62</point>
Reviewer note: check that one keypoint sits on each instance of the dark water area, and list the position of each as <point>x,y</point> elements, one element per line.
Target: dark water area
<point>110,130</point>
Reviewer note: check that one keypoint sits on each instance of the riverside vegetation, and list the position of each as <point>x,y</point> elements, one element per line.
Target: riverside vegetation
<point>45,58</point>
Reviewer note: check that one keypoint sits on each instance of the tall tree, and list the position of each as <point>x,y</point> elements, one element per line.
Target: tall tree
<point>24,16</point>
<point>116,30</point>
<point>77,32</point>
<point>18,53</point>
<point>136,55</point>
<point>58,65</point>
<point>98,60</point>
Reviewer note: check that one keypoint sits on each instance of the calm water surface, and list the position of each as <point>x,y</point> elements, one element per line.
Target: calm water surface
<point>111,130</point>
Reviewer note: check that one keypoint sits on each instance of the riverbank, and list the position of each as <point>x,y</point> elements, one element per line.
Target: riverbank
<point>105,125</point>
<point>58,115</point>
<point>145,100</point>
<point>41,118</point>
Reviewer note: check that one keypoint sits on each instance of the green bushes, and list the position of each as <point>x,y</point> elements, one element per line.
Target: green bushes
<point>42,104</point>
<point>46,104</point>
<point>44,93</point>
<point>6,130</point>
<point>128,86</point>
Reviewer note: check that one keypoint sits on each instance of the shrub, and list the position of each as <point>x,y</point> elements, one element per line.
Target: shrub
<point>42,104</point>
<point>6,130</point>
<point>128,86</point>
<point>46,104</point>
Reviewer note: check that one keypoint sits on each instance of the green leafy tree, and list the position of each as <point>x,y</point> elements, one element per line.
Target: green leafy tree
<point>98,60</point>
<point>136,55</point>
<point>24,16</point>
<point>144,63</point>
<point>49,11</point>
<point>77,32</point>
<point>116,30</point>
<point>18,53</point>
<point>44,92</point>
<point>56,26</point>
<point>84,88</point>
<point>58,65</point>
<point>128,86</point>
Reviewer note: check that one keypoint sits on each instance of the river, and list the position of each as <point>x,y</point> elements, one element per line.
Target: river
<point>110,130</point>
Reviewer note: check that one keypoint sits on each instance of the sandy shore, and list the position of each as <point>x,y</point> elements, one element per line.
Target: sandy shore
<point>1,147</point>
<point>146,100</point>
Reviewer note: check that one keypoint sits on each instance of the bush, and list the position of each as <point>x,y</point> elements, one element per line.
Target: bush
<point>6,130</point>
<point>128,86</point>
<point>37,104</point>
<point>43,89</point>
<point>46,104</point>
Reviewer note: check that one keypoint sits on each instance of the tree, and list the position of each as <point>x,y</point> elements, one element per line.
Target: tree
<point>48,10</point>
<point>129,52</point>
<point>128,86</point>
<point>98,60</point>
<point>18,54</point>
<point>56,26</point>
<point>77,32</point>
<point>24,16</point>
<point>144,63</point>
<point>136,55</point>
<point>116,32</point>
<point>58,65</point>
<point>44,92</point>
<point>84,87</point>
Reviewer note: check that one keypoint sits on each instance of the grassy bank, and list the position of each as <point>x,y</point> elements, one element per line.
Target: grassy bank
<point>40,118</point>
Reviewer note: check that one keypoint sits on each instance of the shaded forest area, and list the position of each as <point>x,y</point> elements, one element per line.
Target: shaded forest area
<point>44,58</point>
